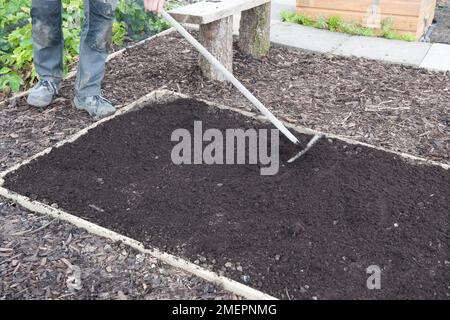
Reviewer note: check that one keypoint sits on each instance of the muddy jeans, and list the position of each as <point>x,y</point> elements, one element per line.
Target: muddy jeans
<point>48,43</point>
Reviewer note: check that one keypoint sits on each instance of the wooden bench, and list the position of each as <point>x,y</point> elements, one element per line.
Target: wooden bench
<point>215,18</point>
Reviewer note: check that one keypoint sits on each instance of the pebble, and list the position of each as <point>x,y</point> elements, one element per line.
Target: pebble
<point>140,258</point>
<point>239,268</point>
<point>228,265</point>
<point>396,225</point>
<point>121,295</point>
<point>245,278</point>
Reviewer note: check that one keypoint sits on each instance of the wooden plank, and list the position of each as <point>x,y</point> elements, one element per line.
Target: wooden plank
<point>208,11</point>
<point>397,7</point>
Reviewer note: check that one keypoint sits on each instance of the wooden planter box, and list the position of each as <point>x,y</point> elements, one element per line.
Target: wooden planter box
<point>409,16</point>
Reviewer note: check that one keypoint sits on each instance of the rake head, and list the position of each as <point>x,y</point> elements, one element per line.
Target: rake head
<point>310,144</point>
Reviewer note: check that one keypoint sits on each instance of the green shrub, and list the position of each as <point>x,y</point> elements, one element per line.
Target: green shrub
<point>292,17</point>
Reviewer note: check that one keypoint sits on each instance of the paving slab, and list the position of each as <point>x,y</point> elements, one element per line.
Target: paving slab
<point>311,39</point>
<point>396,51</point>
<point>437,58</point>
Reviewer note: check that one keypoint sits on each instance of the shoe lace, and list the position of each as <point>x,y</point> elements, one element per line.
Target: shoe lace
<point>49,85</point>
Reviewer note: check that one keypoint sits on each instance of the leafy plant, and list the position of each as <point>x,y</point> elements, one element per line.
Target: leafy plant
<point>296,18</point>
<point>321,23</point>
<point>386,28</point>
<point>355,29</point>
<point>336,24</point>
<point>119,32</point>
<point>287,16</point>
<point>10,79</point>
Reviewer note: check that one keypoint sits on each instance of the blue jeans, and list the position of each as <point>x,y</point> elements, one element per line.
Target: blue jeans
<point>48,43</point>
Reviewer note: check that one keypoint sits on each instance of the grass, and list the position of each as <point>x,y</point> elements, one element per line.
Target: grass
<point>337,24</point>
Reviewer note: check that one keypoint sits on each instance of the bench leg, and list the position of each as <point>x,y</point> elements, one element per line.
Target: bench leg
<point>254,31</point>
<point>217,37</point>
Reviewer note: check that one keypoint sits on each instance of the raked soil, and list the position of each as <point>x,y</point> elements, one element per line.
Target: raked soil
<point>310,231</point>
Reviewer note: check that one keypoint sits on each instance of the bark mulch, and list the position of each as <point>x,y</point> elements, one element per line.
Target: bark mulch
<point>41,258</point>
<point>308,232</point>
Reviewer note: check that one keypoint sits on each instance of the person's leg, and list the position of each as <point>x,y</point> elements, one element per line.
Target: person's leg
<point>48,46</point>
<point>96,39</point>
<point>47,39</point>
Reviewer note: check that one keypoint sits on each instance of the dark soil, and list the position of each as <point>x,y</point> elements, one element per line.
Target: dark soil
<point>309,232</point>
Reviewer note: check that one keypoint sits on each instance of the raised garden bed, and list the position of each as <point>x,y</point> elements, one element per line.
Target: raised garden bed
<point>310,231</point>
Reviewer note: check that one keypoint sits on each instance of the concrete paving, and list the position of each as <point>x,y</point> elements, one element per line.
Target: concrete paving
<point>396,51</point>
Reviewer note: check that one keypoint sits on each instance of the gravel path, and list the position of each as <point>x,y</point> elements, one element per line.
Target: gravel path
<point>42,258</point>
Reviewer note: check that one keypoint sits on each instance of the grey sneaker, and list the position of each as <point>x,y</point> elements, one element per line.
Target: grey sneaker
<point>42,94</point>
<point>97,106</point>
